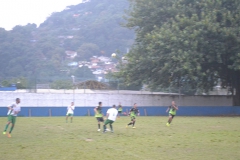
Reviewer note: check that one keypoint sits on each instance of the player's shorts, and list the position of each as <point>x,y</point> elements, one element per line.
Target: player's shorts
<point>133,118</point>
<point>12,119</point>
<point>69,114</point>
<point>171,115</point>
<point>119,112</point>
<point>100,119</point>
<point>108,121</point>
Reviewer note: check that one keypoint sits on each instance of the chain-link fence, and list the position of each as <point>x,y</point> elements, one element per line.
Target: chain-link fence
<point>75,84</point>
<point>71,84</point>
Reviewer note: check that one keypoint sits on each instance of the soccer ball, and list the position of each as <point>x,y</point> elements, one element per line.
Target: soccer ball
<point>114,55</point>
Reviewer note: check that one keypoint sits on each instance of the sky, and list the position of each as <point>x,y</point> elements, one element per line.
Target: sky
<point>22,12</point>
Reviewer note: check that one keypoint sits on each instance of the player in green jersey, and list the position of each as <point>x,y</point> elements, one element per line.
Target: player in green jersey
<point>99,115</point>
<point>120,109</point>
<point>172,112</point>
<point>133,113</point>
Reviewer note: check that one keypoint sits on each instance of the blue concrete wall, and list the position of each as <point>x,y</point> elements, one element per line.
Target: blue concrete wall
<point>149,111</point>
<point>8,88</point>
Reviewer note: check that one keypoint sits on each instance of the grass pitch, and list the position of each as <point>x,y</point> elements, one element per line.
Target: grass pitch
<point>208,138</point>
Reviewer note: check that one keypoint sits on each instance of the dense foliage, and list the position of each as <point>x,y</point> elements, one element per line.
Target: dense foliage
<point>185,43</point>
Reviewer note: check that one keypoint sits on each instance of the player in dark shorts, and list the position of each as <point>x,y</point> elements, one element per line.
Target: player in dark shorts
<point>172,112</point>
<point>133,113</point>
<point>99,115</point>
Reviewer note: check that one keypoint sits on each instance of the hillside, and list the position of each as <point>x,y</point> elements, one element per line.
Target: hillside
<point>88,29</point>
<point>94,25</point>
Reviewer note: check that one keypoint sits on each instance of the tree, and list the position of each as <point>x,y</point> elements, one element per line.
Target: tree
<point>83,73</point>
<point>87,50</point>
<point>194,43</point>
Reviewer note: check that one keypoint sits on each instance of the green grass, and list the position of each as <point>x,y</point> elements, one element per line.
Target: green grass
<point>202,138</point>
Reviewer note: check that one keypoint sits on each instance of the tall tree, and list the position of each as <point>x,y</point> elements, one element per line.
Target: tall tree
<point>183,42</point>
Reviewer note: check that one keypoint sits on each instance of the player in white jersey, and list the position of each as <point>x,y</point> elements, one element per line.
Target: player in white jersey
<point>13,110</point>
<point>111,118</point>
<point>70,112</point>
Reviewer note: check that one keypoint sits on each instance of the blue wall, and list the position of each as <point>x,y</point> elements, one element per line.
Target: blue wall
<point>13,88</point>
<point>150,111</point>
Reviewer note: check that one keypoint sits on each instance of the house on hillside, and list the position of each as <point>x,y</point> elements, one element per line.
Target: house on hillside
<point>76,15</point>
<point>94,67</point>
<point>109,66</point>
<point>94,59</point>
<point>72,64</point>
<point>71,54</point>
<point>104,59</point>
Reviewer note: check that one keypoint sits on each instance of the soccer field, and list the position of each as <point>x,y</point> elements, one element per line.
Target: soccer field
<point>203,138</point>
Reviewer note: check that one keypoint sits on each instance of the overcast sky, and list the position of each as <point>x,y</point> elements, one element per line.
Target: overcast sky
<point>22,12</point>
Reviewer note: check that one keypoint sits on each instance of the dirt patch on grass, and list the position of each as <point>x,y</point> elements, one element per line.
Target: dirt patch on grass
<point>89,140</point>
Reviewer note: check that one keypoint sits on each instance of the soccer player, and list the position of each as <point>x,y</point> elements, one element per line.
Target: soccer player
<point>99,114</point>
<point>13,110</point>
<point>120,109</point>
<point>172,112</point>
<point>133,113</point>
<point>70,110</point>
<point>111,117</point>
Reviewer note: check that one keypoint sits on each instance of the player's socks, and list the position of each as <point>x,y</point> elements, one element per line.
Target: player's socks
<point>111,127</point>
<point>98,126</point>
<point>130,123</point>
<point>133,123</point>
<point>6,127</point>
<point>104,128</point>
<point>11,129</point>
